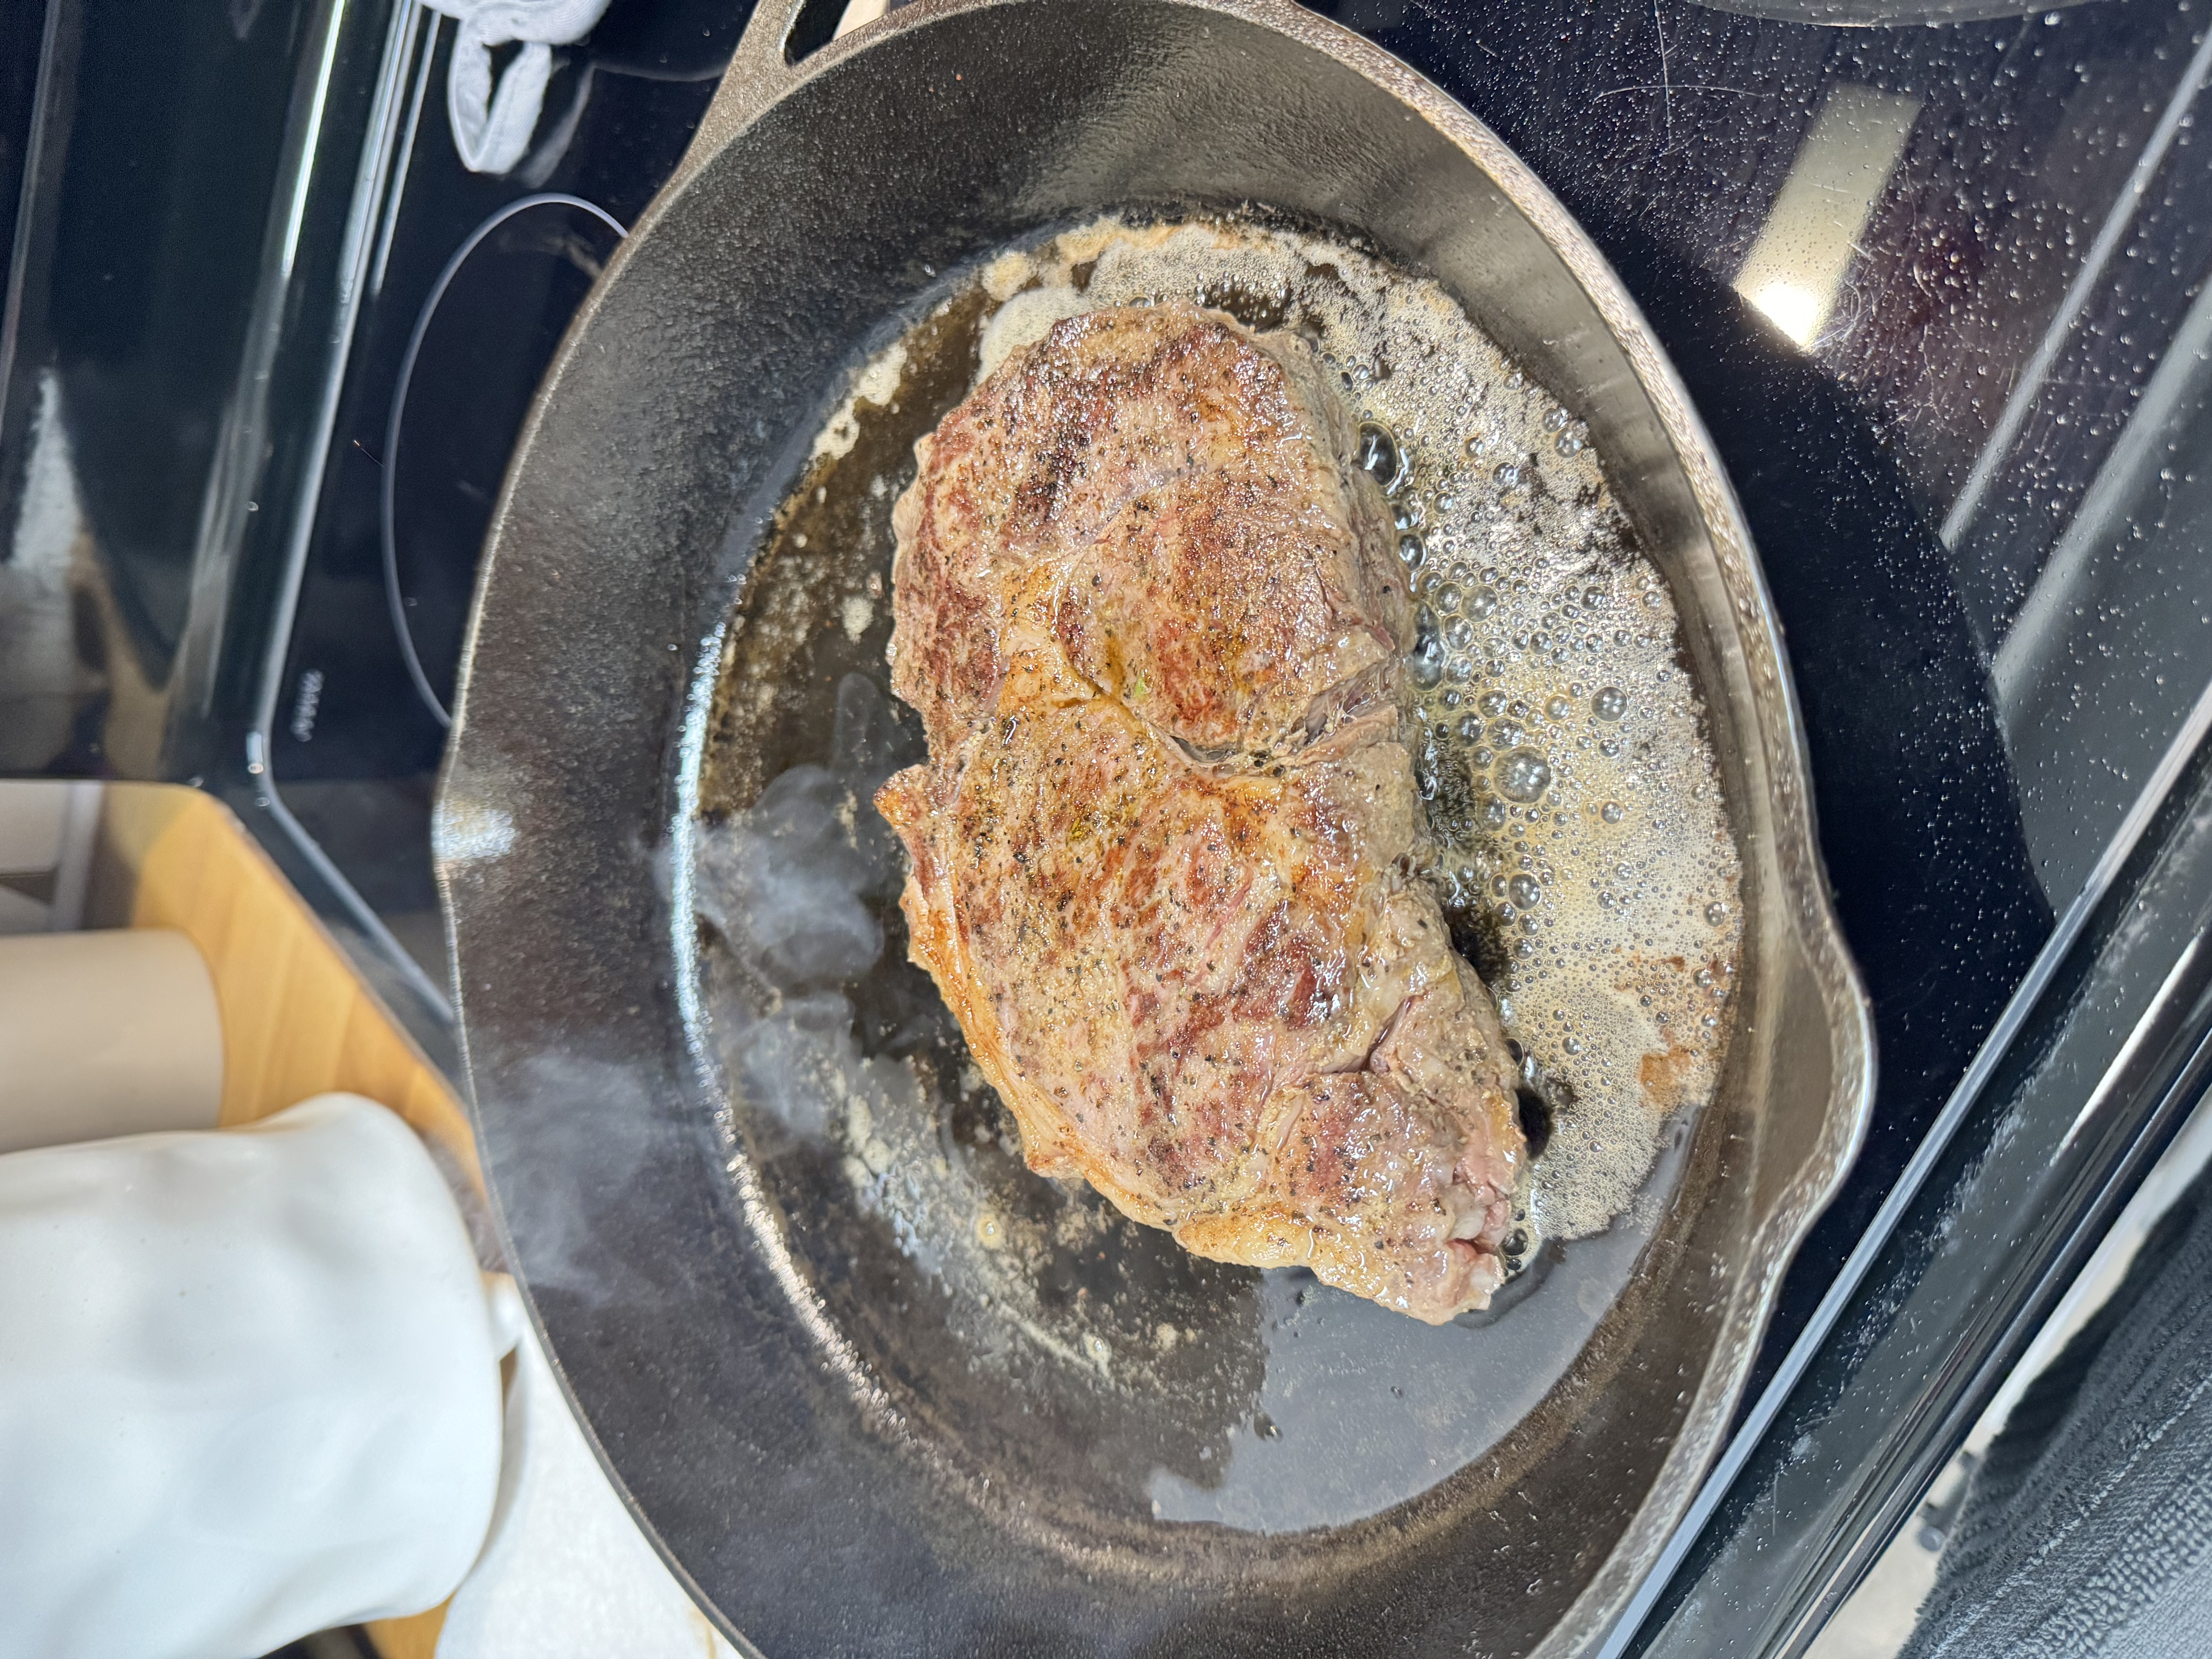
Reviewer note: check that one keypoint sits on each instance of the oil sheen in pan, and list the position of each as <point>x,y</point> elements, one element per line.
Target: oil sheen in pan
<point>1582,848</point>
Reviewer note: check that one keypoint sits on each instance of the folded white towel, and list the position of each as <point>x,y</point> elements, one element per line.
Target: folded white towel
<point>492,126</point>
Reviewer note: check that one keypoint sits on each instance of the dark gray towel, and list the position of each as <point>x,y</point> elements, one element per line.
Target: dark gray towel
<point>2088,1529</point>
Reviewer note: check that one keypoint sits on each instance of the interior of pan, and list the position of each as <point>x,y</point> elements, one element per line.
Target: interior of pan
<point>792,1414</point>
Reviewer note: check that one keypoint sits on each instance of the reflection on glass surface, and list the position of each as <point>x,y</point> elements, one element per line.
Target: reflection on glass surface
<point>1979,236</point>
<point>1896,325</point>
<point>1797,266</point>
<point>2109,651</point>
<point>146,166</point>
<point>41,679</point>
<point>471,281</point>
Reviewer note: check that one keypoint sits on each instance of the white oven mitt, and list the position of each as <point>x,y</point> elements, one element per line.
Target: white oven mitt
<point>249,1387</point>
<point>492,128</point>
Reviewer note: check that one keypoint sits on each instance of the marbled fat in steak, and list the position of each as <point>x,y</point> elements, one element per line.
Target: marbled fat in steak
<point>1165,850</point>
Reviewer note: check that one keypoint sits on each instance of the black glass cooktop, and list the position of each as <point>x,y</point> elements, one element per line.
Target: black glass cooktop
<point>1937,288</point>
<point>471,284</point>
<point>1920,279</point>
<point>1936,285</point>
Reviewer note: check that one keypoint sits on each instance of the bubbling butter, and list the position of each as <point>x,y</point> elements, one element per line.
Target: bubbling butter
<point>1582,848</point>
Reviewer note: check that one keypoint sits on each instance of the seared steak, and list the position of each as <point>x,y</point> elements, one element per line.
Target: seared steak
<point>1165,850</point>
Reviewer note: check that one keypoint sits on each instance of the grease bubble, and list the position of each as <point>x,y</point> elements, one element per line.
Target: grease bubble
<point>1379,454</point>
<point>1523,775</point>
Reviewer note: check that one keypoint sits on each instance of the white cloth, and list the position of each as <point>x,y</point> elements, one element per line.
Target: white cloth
<point>566,1573</point>
<point>249,1387</point>
<point>492,126</point>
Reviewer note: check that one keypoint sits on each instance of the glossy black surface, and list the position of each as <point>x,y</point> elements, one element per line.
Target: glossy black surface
<point>23,25</point>
<point>1668,129</point>
<point>155,143</point>
<point>357,735</point>
<point>2119,1052</point>
<point>490,331</point>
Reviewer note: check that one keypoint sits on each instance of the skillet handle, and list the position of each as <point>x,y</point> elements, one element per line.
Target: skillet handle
<point>757,75</point>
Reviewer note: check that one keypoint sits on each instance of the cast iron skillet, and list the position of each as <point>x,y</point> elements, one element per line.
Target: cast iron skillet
<point>783,1408</point>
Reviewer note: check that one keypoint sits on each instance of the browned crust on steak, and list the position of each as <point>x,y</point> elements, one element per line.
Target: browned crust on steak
<point>1163,854</point>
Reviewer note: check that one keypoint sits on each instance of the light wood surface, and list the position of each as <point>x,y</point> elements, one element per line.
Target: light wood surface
<point>297,1021</point>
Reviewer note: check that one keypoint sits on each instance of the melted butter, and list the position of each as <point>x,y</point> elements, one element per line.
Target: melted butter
<point>1582,848</point>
